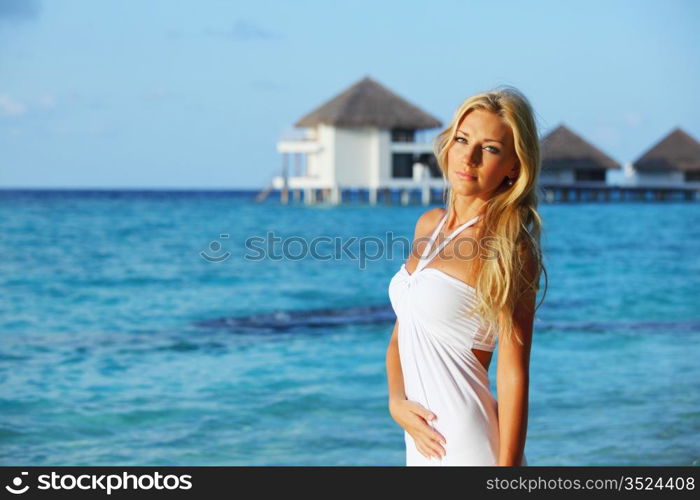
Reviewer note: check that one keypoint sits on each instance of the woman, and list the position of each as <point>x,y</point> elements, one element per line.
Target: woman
<point>475,282</point>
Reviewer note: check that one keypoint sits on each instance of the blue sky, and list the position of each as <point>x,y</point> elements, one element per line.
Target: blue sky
<point>187,94</point>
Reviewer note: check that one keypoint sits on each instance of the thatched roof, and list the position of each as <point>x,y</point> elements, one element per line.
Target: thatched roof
<point>676,151</point>
<point>368,103</point>
<point>563,149</point>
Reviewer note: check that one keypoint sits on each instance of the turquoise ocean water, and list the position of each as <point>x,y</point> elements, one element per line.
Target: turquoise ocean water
<point>122,345</point>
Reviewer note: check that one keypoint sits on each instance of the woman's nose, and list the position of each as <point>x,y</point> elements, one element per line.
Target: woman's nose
<point>472,156</point>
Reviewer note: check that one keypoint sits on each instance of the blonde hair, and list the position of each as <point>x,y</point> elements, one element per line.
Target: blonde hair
<point>511,222</point>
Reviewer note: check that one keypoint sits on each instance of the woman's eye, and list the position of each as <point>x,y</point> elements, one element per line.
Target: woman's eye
<point>491,149</point>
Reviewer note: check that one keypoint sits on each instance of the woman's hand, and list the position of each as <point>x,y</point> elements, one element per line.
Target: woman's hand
<point>413,418</point>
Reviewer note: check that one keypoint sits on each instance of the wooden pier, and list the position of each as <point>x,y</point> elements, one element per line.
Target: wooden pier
<point>548,194</point>
<point>564,194</point>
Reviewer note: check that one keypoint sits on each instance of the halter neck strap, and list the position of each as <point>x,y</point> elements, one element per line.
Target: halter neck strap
<point>427,257</point>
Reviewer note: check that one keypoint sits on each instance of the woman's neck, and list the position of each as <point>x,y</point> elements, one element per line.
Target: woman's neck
<point>464,210</point>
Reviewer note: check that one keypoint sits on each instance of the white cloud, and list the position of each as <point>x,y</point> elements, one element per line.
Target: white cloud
<point>634,118</point>
<point>10,106</point>
<point>155,93</point>
<point>47,101</point>
<point>244,31</point>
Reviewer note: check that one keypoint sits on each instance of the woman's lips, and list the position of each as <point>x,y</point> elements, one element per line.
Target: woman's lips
<point>466,176</point>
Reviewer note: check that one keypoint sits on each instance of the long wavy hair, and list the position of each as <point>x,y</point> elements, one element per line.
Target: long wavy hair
<point>511,225</point>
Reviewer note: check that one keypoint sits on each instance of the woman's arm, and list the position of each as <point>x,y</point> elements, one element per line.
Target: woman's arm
<point>410,415</point>
<point>513,379</point>
<point>393,368</point>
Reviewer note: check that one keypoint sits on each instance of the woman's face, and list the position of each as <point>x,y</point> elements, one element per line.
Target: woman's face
<point>482,155</point>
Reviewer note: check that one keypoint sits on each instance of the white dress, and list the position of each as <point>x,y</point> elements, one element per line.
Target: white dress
<point>440,371</point>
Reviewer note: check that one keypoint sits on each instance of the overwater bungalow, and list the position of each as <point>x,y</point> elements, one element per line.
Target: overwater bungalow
<point>673,161</point>
<point>362,140</point>
<point>569,160</point>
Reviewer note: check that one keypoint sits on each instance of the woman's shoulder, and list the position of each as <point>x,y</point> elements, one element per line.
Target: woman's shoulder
<point>428,220</point>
